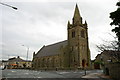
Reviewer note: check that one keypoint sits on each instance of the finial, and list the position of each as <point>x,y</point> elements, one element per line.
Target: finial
<point>18,57</point>
<point>76,5</point>
<point>33,53</point>
<point>85,22</point>
<point>68,25</point>
<point>68,22</point>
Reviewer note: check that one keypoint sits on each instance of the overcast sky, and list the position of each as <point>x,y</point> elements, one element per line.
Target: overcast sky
<point>37,23</point>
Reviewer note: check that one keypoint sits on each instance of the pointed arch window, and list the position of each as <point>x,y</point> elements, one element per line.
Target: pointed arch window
<point>83,34</point>
<point>73,34</point>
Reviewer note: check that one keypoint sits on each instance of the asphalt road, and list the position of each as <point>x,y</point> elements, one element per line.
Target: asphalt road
<point>12,73</point>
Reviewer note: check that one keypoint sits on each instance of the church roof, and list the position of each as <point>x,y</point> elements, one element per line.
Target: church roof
<point>51,50</point>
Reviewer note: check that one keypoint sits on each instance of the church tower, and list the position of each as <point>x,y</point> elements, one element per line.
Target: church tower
<point>79,53</point>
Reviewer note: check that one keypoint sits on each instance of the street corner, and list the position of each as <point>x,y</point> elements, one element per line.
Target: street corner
<point>91,75</point>
<point>98,76</point>
<point>106,77</point>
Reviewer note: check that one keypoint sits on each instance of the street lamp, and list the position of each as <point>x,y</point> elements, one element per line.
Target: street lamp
<point>27,51</point>
<point>8,5</point>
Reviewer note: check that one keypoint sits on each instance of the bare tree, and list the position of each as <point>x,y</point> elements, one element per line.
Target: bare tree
<point>108,45</point>
<point>111,47</point>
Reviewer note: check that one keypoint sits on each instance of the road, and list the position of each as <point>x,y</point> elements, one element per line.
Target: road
<point>12,73</point>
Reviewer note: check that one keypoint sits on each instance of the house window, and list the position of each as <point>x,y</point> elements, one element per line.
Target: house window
<point>83,33</point>
<point>73,34</point>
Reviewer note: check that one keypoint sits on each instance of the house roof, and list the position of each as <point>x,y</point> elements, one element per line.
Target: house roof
<point>18,59</point>
<point>51,49</point>
<point>98,55</point>
<point>4,61</point>
<point>111,53</point>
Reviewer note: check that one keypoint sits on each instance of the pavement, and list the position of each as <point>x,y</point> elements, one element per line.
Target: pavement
<point>98,76</point>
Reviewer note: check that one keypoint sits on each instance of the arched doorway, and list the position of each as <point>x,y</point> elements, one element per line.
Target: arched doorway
<point>106,71</point>
<point>83,63</point>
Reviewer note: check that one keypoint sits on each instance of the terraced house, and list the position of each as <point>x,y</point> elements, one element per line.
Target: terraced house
<point>72,53</point>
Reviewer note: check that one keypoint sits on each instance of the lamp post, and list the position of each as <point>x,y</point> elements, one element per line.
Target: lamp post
<point>8,5</point>
<point>27,51</point>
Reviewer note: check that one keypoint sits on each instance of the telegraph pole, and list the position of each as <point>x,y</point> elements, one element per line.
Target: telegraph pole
<point>27,51</point>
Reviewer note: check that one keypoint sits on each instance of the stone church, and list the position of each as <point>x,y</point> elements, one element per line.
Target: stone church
<point>72,53</point>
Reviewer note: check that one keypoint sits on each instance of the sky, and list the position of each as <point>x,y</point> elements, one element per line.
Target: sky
<point>42,22</point>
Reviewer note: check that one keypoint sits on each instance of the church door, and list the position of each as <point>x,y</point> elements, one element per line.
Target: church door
<point>83,63</point>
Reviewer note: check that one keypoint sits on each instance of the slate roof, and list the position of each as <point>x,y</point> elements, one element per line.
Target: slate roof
<point>51,49</point>
<point>18,59</point>
<point>115,54</point>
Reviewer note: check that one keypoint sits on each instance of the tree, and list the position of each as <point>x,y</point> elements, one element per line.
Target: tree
<point>115,16</point>
<point>114,45</point>
<point>108,45</point>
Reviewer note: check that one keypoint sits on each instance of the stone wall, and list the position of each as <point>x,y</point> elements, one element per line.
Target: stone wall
<point>114,70</point>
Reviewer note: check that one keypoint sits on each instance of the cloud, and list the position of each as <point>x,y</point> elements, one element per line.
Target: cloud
<point>35,24</point>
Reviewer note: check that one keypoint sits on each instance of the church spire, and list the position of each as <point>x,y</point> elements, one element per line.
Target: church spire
<point>77,19</point>
<point>76,12</point>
